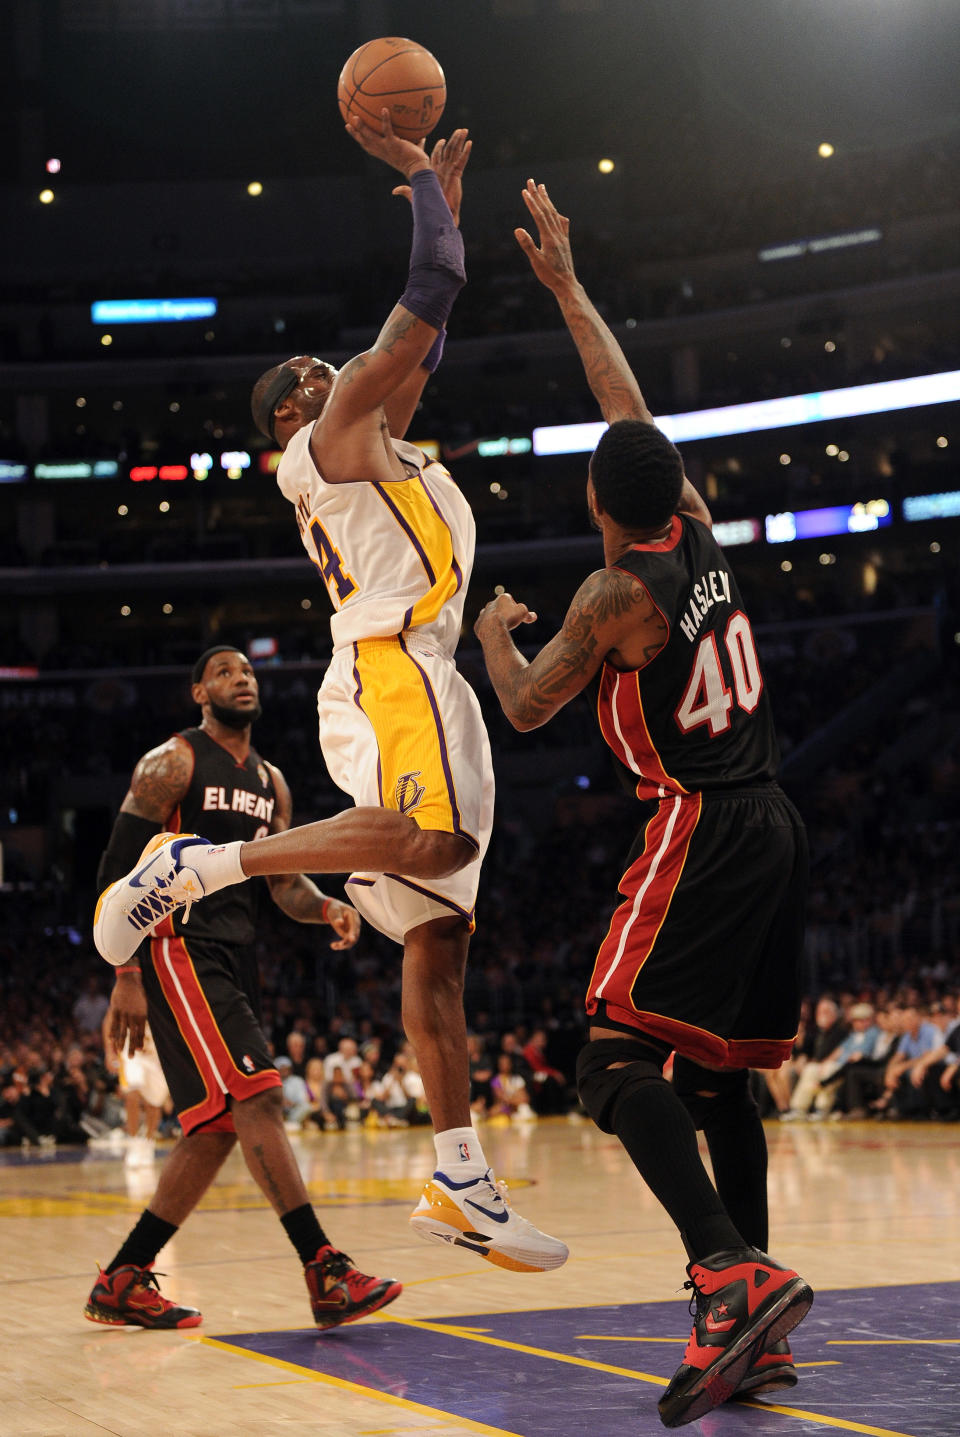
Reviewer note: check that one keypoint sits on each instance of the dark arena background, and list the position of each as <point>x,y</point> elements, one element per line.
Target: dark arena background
<point>765,206</point>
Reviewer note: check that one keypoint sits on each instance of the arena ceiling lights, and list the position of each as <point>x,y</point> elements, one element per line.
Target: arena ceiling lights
<point>793,409</point>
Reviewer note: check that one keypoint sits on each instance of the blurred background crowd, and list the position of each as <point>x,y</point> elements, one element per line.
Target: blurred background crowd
<point>747,240</point>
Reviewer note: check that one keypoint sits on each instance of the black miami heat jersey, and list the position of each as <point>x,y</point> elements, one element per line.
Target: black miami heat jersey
<point>697,716</point>
<point>226,801</point>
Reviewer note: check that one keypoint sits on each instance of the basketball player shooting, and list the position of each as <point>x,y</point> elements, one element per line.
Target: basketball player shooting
<point>400,729</point>
<point>704,951</point>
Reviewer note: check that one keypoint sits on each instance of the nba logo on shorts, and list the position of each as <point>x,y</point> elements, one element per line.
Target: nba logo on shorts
<point>247,1062</point>
<point>464,1152</point>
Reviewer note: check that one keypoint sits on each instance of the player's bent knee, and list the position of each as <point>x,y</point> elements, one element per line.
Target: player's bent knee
<point>437,854</point>
<point>610,1070</point>
<point>266,1106</point>
<point>713,1098</point>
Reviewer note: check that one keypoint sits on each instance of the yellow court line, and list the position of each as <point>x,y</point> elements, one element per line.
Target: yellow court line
<point>603,1337</point>
<point>893,1342</point>
<point>355,1387</point>
<point>446,1330</point>
<point>840,1423</point>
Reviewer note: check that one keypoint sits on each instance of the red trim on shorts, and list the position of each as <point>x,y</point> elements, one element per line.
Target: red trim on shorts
<point>703,1047</point>
<point>648,887</point>
<point>223,1124</point>
<point>183,991</point>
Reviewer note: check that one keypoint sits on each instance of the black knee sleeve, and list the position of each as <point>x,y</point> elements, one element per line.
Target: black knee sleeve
<point>602,1088</point>
<point>733,1099</point>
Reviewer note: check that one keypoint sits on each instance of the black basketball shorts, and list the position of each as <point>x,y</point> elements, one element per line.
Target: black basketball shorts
<point>705,950</point>
<point>202,1007</point>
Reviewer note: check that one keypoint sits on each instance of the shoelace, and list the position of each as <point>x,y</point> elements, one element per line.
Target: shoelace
<point>336,1265</point>
<point>176,890</point>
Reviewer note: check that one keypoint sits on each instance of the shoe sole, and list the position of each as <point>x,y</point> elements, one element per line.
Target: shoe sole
<point>392,1292</point>
<point>156,842</point>
<point>724,1378</point>
<point>109,1317</point>
<point>770,1381</point>
<point>431,1228</point>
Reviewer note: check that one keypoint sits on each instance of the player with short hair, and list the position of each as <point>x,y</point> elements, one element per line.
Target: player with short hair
<point>703,954</point>
<point>401,730</point>
<point>198,985</point>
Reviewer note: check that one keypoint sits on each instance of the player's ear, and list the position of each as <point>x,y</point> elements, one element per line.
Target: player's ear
<point>198,692</point>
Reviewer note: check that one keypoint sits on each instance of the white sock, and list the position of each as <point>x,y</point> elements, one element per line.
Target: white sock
<point>218,866</point>
<point>459,1154</point>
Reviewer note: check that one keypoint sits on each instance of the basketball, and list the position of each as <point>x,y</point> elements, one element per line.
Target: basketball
<point>398,74</point>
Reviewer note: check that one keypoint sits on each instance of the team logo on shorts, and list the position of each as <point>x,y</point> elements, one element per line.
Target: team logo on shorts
<point>409,793</point>
<point>247,1062</point>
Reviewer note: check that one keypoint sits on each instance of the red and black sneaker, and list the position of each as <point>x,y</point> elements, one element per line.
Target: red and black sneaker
<point>771,1371</point>
<point>131,1297</point>
<point>744,1302</point>
<point>339,1293</point>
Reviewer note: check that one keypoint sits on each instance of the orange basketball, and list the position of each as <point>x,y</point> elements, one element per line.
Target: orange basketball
<point>398,74</point>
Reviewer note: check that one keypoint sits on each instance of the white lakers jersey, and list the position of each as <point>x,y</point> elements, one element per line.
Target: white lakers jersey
<point>394,556</point>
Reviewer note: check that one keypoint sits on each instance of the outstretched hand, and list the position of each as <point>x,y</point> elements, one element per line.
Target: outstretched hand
<point>403,155</point>
<point>448,160</point>
<point>552,263</point>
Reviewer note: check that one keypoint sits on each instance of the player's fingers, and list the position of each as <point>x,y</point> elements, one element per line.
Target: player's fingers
<point>525,242</point>
<point>530,617</point>
<point>404,191</point>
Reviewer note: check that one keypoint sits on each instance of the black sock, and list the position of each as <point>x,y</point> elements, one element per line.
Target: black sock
<point>658,1133</point>
<point>304,1232</point>
<point>144,1242</point>
<point>738,1151</point>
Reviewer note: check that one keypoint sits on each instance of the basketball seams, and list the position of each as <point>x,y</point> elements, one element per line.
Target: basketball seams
<point>355,95</point>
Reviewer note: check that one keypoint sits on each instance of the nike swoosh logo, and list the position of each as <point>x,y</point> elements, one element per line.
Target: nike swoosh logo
<point>495,1216</point>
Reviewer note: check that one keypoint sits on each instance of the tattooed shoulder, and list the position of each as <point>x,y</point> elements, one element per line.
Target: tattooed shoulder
<point>161,778</point>
<point>611,593</point>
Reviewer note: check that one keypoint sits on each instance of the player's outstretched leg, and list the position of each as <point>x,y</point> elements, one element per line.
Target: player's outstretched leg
<point>476,1215</point>
<point>744,1303</point>
<point>161,883</point>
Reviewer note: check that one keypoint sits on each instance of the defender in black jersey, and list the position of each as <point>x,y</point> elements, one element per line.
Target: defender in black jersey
<point>196,981</point>
<point>702,957</point>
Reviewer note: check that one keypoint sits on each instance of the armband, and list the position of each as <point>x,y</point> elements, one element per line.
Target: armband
<point>437,272</point>
<point>325,910</point>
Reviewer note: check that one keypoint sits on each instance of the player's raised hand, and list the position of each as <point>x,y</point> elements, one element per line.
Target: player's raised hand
<point>448,160</point>
<point>552,263</point>
<point>345,922</point>
<point>404,155</point>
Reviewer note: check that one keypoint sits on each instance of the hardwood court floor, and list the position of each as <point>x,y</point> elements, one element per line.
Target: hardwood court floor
<point>868,1212</point>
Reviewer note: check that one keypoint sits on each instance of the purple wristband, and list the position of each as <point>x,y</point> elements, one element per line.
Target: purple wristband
<point>435,352</point>
<point>437,272</point>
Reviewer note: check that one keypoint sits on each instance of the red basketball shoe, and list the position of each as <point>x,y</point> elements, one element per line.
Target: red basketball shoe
<point>339,1293</point>
<point>131,1297</point>
<point>771,1371</point>
<point>744,1302</point>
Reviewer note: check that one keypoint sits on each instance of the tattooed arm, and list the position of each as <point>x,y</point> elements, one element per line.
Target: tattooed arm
<point>611,617</point>
<point>610,377</point>
<point>298,896</point>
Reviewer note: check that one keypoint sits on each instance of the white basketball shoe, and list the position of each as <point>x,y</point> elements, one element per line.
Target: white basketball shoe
<point>162,882</point>
<point>477,1216</point>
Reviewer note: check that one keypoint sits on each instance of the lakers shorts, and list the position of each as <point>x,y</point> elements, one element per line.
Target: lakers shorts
<point>401,729</point>
<point>203,1010</point>
<point>705,950</point>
